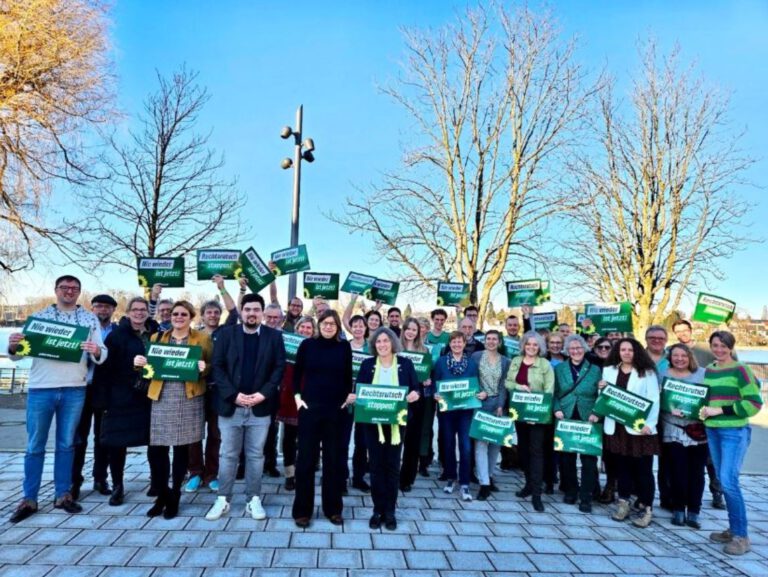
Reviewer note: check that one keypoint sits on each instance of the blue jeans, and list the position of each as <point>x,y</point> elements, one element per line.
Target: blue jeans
<point>456,424</point>
<point>42,404</point>
<point>727,446</point>
<point>242,431</point>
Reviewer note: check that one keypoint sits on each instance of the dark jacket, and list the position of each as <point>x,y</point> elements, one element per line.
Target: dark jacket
<point>406,373</point>
<point>227,367</point>
<point>323,373</point>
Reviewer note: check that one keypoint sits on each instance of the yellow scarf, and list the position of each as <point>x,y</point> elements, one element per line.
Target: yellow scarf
<point>393,381</point>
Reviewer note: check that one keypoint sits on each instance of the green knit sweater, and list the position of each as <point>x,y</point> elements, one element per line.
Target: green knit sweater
<point>735,389</point>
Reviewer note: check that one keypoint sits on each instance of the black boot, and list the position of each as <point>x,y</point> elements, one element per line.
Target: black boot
<point>537,504</point>
<point>160,501</point>
<point>172,504</point>
<point>524,492</point>
<point>118,495</point>
<point>484,493</point>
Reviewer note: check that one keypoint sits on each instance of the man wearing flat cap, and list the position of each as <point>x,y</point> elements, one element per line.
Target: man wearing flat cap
<point>103,306</point>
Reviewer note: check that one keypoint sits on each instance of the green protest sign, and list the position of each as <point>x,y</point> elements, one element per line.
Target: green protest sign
<point>526,292</point>
<point>686,397</point>
<point>168,271</point>
<point>546,292</point>
<point>510,347</point>
<point>324,285</point>
<point>213,262</point>
<point>491,429</point>
<point>359,284</point>
<point>255,270</point>
<point>384,405</point>
<point>531,407</point>
<point>457,394</point>
<point>579,437</point>
<point>452,294</point>
<point>291,342</point>
<point>385,291</point>
<point>623,406</point>
<point>713,309</point>
<point>544,321</point>
<point>610,317</point>
<point>290,260</point>
<point>357,359</point>
<point>167,362</point>
<point>53,340</point>
<point>422,362</point>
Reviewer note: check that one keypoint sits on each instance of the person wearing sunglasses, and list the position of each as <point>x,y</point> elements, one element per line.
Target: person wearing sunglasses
<point>178,413</point>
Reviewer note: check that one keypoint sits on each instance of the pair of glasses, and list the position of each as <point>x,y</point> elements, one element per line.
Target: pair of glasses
<point>69,289</point>
<point>604,347</point>
<point>179,314</point>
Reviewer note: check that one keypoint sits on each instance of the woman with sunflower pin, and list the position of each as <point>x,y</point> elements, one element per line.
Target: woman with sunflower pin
<point>633,448</point>
<point>177,412</point>
<point>384,442</point>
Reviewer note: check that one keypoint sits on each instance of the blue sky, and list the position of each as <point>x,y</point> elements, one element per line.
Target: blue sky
<point>261,59</point>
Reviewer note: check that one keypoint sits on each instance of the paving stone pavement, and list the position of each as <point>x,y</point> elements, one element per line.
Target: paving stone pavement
<point>438,536</point>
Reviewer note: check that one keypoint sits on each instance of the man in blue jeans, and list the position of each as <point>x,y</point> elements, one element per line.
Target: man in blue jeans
<point>248,365</point>
<point>56,388</point>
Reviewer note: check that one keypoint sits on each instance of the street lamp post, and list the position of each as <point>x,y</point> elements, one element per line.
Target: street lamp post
<point>302,151</point>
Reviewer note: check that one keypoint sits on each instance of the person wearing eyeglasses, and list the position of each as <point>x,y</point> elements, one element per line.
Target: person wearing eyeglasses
<point>56,388</point>
<point>294,312</point>
<point>656,347</point>
<point>123,393</point>
<point>322,387</point>
<point>178,413</point>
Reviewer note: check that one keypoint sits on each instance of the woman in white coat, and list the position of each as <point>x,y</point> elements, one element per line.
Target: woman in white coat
<point>632,449</point>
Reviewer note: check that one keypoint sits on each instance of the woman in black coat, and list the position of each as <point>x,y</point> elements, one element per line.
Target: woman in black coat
<point>120,391</point>
<point>384,442</point>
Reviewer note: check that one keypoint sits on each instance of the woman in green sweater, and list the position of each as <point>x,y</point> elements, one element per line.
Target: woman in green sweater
<point>734,396</point>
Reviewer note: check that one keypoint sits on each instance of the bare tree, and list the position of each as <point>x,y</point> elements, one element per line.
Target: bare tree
<point>495,101</point>
<point>662,182</point>
<point>55,82</point>
<point>164,195</point>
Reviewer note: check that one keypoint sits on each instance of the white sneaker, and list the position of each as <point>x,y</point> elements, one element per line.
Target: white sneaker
<point>219,509</point>
<point>255,510</point>
<point>448,487</point>
<point>465,494</point>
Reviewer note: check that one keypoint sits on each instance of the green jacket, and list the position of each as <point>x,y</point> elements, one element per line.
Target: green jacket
<point>583,396</point>
<point>541,378</point>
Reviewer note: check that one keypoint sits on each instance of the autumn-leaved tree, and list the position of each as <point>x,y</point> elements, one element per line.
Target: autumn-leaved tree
<point>55,83</point>
<point>165,194</point>
<point>663,182</point>
<point>495,102</point>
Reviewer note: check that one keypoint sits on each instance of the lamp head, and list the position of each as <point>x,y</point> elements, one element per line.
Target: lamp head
<point>286,132</point>
<point>308,145</point>
<point>308,156</point>
<point>286,163</point>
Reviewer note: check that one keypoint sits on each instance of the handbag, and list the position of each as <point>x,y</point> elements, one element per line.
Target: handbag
<point>696,431</point>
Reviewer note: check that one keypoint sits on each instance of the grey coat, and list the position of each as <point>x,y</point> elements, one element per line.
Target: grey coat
<point>490,404</point>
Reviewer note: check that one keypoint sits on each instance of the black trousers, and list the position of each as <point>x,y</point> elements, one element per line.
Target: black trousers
<point>318,427</point>
<point>686,474</point>
<point>270,445</point>
<point>116,457</point>
<point>82,433</point>
<point>290,434</point>
<point>530,448</point>
<point>412,443</point>
<point>359,454</point>
<point>664,473</point>
<point>385,470</point>
<point>551,457</point>
<point>160,468</point>
<point>584,489</point>
<point>636,473</point>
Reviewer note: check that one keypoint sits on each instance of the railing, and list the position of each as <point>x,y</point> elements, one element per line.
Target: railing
<point>13,380</point>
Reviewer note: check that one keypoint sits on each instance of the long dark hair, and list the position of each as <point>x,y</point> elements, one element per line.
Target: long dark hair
<point>641,361</point>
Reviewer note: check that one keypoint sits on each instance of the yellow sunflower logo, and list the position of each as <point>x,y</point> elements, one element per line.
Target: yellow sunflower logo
<point>558,444</point>
<point>509,441</point>
<point>238,272</point>
<point>276,270</point>
<point>542,298</point>
<point>306,293</point>
<point>638,424</point>
<point>148,372</point>
<point>514,415</point>
<point>402,417</point>
<point>368,294</point>
<point>443,406</point>
<point>23,348</point>
<point>143,281</point>
<point>440,301</point>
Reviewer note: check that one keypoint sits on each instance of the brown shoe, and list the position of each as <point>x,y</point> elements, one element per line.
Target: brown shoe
<point>68,504</point>
<point>302,522</point>
<point>737,546</point>
<point>721,537</point>
<point>643,519</point>
<point>336,519</point>
<point>25,509</point>
<point>607,497</point>
<point>622,512</point>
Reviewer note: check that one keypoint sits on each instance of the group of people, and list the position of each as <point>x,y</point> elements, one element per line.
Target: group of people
<point>247,387</point>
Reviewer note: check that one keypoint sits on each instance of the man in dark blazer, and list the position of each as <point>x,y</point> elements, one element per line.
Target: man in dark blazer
<point>248,364</point>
